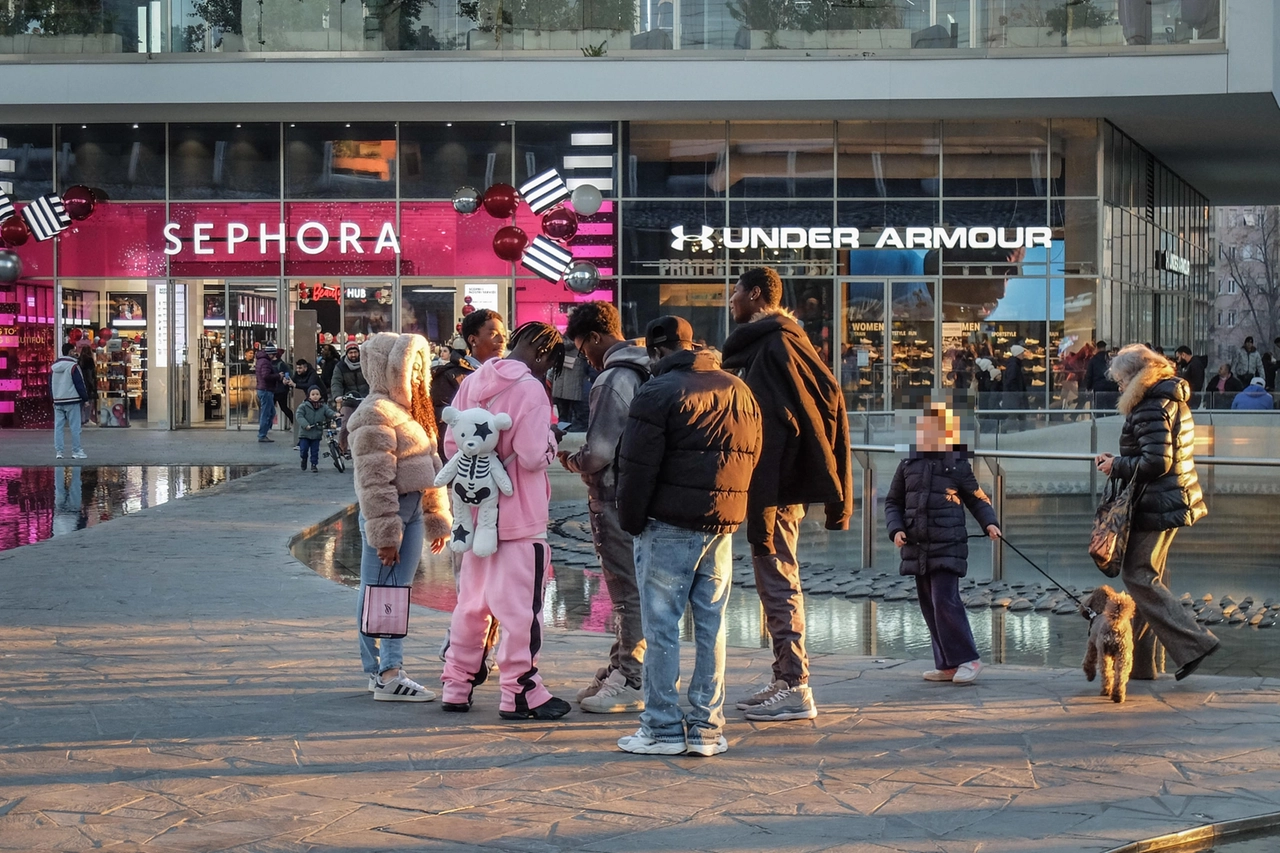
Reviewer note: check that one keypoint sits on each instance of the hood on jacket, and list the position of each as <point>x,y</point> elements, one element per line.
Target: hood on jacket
<point>267,356</point>
<point>386,360</point>
<point>687,359</point>
<point>494,376</point>
<point>1157,382</point>
<point>1254,390</point>
<point>747,335</point>
<point>626,352</point>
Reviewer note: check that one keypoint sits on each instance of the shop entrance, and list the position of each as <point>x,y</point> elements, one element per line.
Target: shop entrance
<point>889,354</point>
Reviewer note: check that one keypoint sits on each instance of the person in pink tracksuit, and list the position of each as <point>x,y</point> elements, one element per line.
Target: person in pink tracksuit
<point>508,585</point>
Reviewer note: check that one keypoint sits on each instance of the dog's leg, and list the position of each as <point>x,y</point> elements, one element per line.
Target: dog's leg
<point>1124,666</point>
<point>1108,674</point>
<point>1090,660</point>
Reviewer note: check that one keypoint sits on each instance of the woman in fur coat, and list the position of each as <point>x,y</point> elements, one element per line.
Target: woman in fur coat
<point>393,438</point>
<point>1157,443</point>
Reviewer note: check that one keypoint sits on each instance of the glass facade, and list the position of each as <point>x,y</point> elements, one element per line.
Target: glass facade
<point>907,249</point>
<point>604,26</point>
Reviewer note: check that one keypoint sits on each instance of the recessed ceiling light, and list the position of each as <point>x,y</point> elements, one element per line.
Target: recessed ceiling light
<point>502,124</point>
<point>448,124</point>
<point>135,127</point>
<point>348,124</point>
<point>292,125</point>
<point>237,124</point>
<point>84,127</point>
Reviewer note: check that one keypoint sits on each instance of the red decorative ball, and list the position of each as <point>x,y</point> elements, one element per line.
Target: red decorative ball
<point>509,243</point>
<point>14,231</point>
<point>79,202</point>
<point>501,201</point>
<point>560,224</point>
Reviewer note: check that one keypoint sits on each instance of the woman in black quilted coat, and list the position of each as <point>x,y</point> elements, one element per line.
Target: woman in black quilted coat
<point>1157,443</point>
<point>924,511</point>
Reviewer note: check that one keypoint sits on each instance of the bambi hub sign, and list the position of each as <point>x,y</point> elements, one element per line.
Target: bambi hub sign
<point>310,238</point>
<point>705,238</point>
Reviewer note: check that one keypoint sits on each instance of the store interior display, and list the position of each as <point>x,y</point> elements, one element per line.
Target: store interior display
<point>212,368</point>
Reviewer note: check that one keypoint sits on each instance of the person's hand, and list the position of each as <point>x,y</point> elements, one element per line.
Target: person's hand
<point>993,531</point>
<point>900,538</point>
<point>389,555</point>
<point>558,433</point>
<point>1105,461</point>
<point>563,456</point>
<point>437,545</point>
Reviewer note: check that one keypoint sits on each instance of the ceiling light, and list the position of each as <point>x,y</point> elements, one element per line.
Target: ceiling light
<point>348,124</point>
<point>237,125</point>
<point>448,124</point>
<point>135,127</point>
<point>292,125</point>
<point>84,127</point>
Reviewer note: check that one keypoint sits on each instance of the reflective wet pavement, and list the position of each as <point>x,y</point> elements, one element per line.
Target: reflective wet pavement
<point>40,503</point>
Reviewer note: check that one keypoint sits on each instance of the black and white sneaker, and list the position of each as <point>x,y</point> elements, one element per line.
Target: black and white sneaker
<point>401,689</point>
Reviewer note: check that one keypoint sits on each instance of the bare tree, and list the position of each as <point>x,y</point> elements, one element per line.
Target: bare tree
<point>1254,263</point>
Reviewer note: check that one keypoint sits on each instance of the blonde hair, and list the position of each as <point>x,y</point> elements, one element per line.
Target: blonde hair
<point>1137,358</point>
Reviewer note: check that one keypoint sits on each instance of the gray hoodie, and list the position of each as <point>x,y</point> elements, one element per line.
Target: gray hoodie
<point>610,404</point>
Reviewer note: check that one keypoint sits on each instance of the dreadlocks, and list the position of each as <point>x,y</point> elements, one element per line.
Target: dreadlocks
<point>544,339</point>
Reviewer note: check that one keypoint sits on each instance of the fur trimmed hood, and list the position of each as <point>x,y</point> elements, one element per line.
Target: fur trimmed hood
<point>779,311</point>
<point>1159,381</point>
<point>387,362</point>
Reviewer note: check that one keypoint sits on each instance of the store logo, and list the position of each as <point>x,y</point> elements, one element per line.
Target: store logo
<point>702,241</point>
<point>1173,263</point>
<point>311,238</point>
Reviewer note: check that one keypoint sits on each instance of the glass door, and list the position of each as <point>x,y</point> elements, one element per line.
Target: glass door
<point>252,323</point>
<point>889,347</point>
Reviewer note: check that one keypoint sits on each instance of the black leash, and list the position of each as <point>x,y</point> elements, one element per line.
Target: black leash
<point>1033,565</point>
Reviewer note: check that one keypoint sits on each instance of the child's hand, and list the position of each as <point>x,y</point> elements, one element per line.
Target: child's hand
<point>899,539</point>
<point>993,531</point>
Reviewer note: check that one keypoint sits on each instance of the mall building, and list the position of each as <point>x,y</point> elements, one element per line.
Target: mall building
<point>928,176</point>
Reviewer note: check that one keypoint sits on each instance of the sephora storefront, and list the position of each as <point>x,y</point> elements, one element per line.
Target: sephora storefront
<point>900,245</point>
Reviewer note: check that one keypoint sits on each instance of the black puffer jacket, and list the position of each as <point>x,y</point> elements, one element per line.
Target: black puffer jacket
<point>691,442</point>
<point>1157,442</point>
<point>926,501</point>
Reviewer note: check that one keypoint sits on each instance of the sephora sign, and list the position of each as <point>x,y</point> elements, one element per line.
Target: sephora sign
<point>311,238</point>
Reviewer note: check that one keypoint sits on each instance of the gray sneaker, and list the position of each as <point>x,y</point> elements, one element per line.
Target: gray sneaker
<point>613,697</point>
<point>793,703</point>
<point>597,681</point>
<point>761,696</point>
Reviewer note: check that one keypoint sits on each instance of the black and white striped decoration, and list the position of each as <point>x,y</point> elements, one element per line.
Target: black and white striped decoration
<point>546,258</point>
<point>544,191</point>
<point>6,207</point>
<point>46,217</point>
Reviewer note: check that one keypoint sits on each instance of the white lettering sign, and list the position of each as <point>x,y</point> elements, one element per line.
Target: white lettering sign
<point>706,238</point>
<point>311,238</point>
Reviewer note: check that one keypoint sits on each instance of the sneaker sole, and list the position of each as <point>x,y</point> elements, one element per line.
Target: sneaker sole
<point>707,749</point>
<point>627,708</point>
<point>745,705</point>
<point>404,697</point>
<point>808,714</point>
<point>659,748</point>
<point>455,707</point>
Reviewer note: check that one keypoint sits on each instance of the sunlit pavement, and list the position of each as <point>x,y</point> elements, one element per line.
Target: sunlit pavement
<point>174,680</point>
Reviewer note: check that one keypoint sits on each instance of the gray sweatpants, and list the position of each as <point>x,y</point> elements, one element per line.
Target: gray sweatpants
<point>1159,615</point>
<point>615,549</point>
<point>778,583</point>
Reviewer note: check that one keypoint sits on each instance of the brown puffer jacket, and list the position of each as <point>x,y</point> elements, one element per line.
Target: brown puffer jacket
<point>393,454</point>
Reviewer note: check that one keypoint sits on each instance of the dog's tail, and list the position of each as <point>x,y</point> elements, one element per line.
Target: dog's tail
<point>1121,606</point>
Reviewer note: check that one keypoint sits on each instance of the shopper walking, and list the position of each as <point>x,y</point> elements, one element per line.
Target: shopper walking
<point>328,362</point>
<point>303,379</point>
<point>89,372</point>
<point>924,511</point>
<point>1097,381</point>
<point>347,390</point>
<point>1157,443</point>
<point>1015,386</point>
<point>805,459</point>
<point>508,584</point>
<point>66,383</point>
<point>310,418</point>
<point>596,331</point>
<point>567,384</point>
<point>692,438</point>
<point>284,390</point>
<point>268,378</point>
<point>393,439</point>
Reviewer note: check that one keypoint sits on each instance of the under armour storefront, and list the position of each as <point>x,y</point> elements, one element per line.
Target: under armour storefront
<point>900,244</point>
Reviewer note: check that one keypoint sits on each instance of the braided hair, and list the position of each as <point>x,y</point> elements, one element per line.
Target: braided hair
<point>544,339</point>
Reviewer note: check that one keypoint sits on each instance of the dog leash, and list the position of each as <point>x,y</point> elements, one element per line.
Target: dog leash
<point>1032,563</point>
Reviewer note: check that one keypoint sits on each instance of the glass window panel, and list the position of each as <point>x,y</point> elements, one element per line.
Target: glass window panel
<point>224,161</point>
<point>340,160</point>
<point>674,159</point>
<point>702,301</point>
<point>863,345</point>
<point>366,307</point>
<point>583,152</point>
<point>995,213</point>
<point>781,159</point>
<point>126,161</point>
<point>30,147</point>
<point>888,159</point>
<point>890,213</point>
<point>1075,222</point>
<point>437,158</point>
<point>912,338</point>
<point>995,158</point>
<point>761,224</point>
<point>647,238</point>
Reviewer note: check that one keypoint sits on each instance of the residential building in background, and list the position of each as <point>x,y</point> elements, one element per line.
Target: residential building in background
<point>1248,280</point>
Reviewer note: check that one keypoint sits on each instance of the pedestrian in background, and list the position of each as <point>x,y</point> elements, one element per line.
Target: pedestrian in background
<point>312,414</point>
<point>567,387</point>
<point>1255,396</point>
<point>89,372</point>
<point>347,390</point>
<point>1247,362</point>
<point>692,438</point>
<point>66,384</point>
<point>268,379</point>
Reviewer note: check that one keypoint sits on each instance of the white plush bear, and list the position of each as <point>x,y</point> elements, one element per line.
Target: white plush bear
<point>475,476</point>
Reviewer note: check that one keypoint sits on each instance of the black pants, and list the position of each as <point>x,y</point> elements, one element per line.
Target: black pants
<point>948,623</point>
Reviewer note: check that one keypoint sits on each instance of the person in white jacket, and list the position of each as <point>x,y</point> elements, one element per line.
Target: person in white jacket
<point>69,393</point>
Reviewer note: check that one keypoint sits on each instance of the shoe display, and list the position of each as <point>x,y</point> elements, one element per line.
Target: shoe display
<point>79,454</point>
<point>402,688</point>
<point>792,703</point>
<point>762,696</point>
<point>614,697</point>
<point>708,748</point>
<point>1191,666</point>
<point>641,743</point>
<point>552,709</point>
<point>939,675</point>
<point>967,673</point>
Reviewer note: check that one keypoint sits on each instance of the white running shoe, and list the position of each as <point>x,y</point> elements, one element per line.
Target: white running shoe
<point>708,747</point>
<point>79,454</point>
<point>641,743</point>
<point>58,456</point>
<point>402,688</point>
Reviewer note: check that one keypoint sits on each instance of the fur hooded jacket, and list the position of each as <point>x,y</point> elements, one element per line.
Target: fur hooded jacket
<point>393,454</point>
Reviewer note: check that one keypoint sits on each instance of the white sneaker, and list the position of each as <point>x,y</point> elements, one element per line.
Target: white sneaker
<point>939,675</point>
<point>708,747</point>
<point>79,454</point>
<point>373,683</point>
<point>641,744</point>
<point>401,689</point>
<point>590,690</point>
<point>967,673</point>
<point>614,697</point>
<point>762,696</point>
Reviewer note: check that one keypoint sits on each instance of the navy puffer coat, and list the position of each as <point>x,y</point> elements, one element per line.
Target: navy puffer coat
<point>926,501</point>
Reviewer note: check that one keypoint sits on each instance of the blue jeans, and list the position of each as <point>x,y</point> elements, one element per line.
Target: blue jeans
<point>67,414</point>
<point>381,655</point>
<point>266,413</point>
<point>310,446</point>
<point>676,567</point>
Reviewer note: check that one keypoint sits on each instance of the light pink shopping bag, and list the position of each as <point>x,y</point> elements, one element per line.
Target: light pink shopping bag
<point>386,612</point>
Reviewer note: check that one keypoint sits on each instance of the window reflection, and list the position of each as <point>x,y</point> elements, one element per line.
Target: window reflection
<point>124,160</point>
<point>224,161</point>
<point>351,160</point>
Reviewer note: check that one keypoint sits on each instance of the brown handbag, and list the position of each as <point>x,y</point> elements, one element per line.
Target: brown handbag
<point>1111,522</point>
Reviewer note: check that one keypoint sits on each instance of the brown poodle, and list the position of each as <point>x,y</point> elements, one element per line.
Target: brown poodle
<point>1110,640</point>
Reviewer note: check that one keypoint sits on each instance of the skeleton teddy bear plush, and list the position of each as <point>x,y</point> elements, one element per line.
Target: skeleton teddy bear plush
<point>475,476</point>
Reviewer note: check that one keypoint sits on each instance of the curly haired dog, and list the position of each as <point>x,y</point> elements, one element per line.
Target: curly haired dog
<point>1110,640</point>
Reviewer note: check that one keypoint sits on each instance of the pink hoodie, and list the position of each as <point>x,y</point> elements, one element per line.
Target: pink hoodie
<point>506,385</point>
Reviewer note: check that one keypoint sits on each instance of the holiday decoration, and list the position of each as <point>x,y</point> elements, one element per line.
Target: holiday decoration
<point>79,202</point>
<point>6,207</point>
<point>547,259</point>
<point>466,200</point>
<point>500,201</point>
<point>14,231</point>
<point>46,217</point>
<point>587,200</point>
<point>10,267</point>
<point>560,224</point>
<point>582,277</point>
<point>509,243</point>
<point>544,191</point>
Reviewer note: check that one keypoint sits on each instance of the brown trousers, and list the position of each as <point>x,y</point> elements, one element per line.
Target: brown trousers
<point>1159,615</point>
<point>778,583</point>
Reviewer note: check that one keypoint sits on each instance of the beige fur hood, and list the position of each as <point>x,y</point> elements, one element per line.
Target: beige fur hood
<point>1145,383</point>
<point>393,454</point>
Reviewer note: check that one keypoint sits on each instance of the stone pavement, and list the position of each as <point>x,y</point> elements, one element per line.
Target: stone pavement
<point>175,681</point>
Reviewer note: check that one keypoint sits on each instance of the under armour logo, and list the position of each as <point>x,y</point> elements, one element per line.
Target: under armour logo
<point>701,242</point>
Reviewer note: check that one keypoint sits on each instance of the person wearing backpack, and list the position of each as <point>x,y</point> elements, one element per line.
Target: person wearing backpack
<point>596,330</point>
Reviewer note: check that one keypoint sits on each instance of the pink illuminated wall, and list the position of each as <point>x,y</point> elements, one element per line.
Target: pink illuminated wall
<point>119,240</point>
<point>227,260</point>
<point>367,218</point>
<point>438,241</point>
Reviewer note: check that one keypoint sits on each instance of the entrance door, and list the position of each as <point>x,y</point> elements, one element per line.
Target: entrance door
<point>889,345</point>
<point>252,323</point>
<point>179,361</point>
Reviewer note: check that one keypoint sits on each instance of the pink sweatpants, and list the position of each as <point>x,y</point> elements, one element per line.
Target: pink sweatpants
<point>507,586</point>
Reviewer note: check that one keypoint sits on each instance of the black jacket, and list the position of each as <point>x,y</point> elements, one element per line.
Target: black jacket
<point>925,502</point>
<point>1193,373</point>
<point>806,455</point>
<point>445,380</point>
<point>1095,375</point>
<point>691,441</point>
<point>1015,377</point>
<point>1157,442</point>
<point>304,382</point>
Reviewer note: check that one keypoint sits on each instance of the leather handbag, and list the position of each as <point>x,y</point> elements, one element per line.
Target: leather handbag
<point>386,611</point>
<point>1111,522</point>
